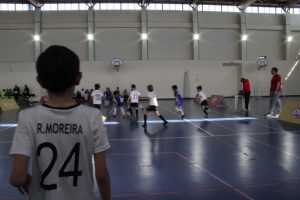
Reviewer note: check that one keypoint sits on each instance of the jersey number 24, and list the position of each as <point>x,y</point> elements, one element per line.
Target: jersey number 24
<point>62,173</point>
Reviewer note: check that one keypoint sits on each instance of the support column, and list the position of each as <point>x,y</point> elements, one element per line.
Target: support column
<point>91,30</point>
<point>243,50</point>
<point>196,55</point>
<point>37,31</point>
<point>144,30</point>
<point>287,32</point>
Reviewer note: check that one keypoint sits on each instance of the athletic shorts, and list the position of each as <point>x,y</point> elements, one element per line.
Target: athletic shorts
<point>134,105</point>
<point>97,106</point>
<point>152,108</point>
<point>204,103</point>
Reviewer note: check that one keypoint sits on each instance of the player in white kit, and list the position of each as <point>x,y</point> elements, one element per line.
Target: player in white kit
<point>60,138</point>
<point>97,96</point>
<point>133,100</point>
<point>152,106</point>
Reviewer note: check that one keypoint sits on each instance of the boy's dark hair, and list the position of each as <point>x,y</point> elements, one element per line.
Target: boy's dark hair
<point>97,86</point>
<point>57,68</point>
<point>133,86</point>
<point>199,87</point>
<point>242,79</point>
<point>174,87</point>
<point>150,88</point>
<point>275,69</point>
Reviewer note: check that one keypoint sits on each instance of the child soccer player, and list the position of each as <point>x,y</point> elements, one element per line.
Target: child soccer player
<point>60,137</point>
<point>97,96</point>
<point>134,100</point>
<point>152,107</point>
<point>108,97</point>
<point>202,99</point>
<point>119,104</point>
<point>178,101</point>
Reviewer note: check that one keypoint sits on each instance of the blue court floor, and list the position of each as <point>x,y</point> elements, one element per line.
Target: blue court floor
<point>231,155</point>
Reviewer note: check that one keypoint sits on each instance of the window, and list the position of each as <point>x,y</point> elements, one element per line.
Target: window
<point>61,6</point>
<point>212,8</point>
<point>279,11</point>
<point>68,6</point>
<point>178,7</point>
<point>267,10</point>
<point>186,7</point>
<point>75,6</point>
<point>200,8</point>
<point>97,6</point>
<point>151,6</point>
<point>255,9</point>
<point>172,6</point>
<point>224,8</point>
<point>231,8</point>
<point>236,9</point>
<point>249,10</point>
<point>22,7</point>
<point>218,8</point>
<point>272,10</point>
<point>296,11</point>
<point>166,6</point>
<point>261,10</point>
<point>83,6</point>
<point>158,6</point>
<point>205,8</point>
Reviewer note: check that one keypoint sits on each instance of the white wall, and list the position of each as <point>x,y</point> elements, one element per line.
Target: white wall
<point>228,47</point>
<point>170,49</point>
<point>265,43</point>
<point>212,75</point>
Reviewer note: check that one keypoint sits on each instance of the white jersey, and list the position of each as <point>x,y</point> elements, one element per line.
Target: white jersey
<point>97,97</point>
<point>201,96</point>
<point>134,96</point>
<point>152,99</point>
<point>60,143</point>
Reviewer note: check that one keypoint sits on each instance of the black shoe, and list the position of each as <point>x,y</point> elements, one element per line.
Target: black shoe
<point>144,125</point>
<point>266,114</point>
<point>182,117</point>
<point>165,124</point>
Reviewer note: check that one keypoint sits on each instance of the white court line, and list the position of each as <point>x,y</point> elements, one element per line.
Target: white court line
<point>195,125</point>
<point>5,129</point>
<point>220,140</point>
<point>260,124</point>
<point>270,146</point>
<point>198,136</point>
<point>237,190</point>
<point>187,137</point>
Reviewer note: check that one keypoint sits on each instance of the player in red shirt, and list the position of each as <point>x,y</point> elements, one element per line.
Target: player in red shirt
<point>275,92</point>
<point>246,92</point>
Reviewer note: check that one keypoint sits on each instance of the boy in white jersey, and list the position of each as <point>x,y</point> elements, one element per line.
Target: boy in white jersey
<point>202,99</point>
<point>60,137</point>
<point>133,100</point>
<point>152,106</point>
<point>97,96</point>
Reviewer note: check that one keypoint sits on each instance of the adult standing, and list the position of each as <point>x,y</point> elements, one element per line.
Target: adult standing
<point>16,92</point>
<point>275,92</point>
<point>246,92</point>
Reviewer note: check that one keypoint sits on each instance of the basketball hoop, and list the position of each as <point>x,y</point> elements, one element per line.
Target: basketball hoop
<point>262,62</point>
<point>117,62</point>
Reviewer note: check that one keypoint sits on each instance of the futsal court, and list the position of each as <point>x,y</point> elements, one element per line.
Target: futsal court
<point>229,155</point>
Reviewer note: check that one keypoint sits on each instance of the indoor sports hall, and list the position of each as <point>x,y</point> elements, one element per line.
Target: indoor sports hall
<point>236,137</point>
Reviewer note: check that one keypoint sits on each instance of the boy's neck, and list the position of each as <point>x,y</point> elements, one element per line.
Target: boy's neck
<point>64,99</point>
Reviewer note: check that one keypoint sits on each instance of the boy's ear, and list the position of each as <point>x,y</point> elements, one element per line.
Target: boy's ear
<point>78,78</point>
<point>40,82</point>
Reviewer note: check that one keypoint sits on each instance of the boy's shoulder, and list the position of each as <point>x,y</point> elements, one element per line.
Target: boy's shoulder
<point>78,107</point>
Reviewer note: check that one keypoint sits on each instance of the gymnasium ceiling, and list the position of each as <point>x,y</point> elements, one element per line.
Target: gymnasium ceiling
<point>277,3</point>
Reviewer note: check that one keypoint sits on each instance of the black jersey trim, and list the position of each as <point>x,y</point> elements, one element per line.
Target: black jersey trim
<point>62,108</point>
